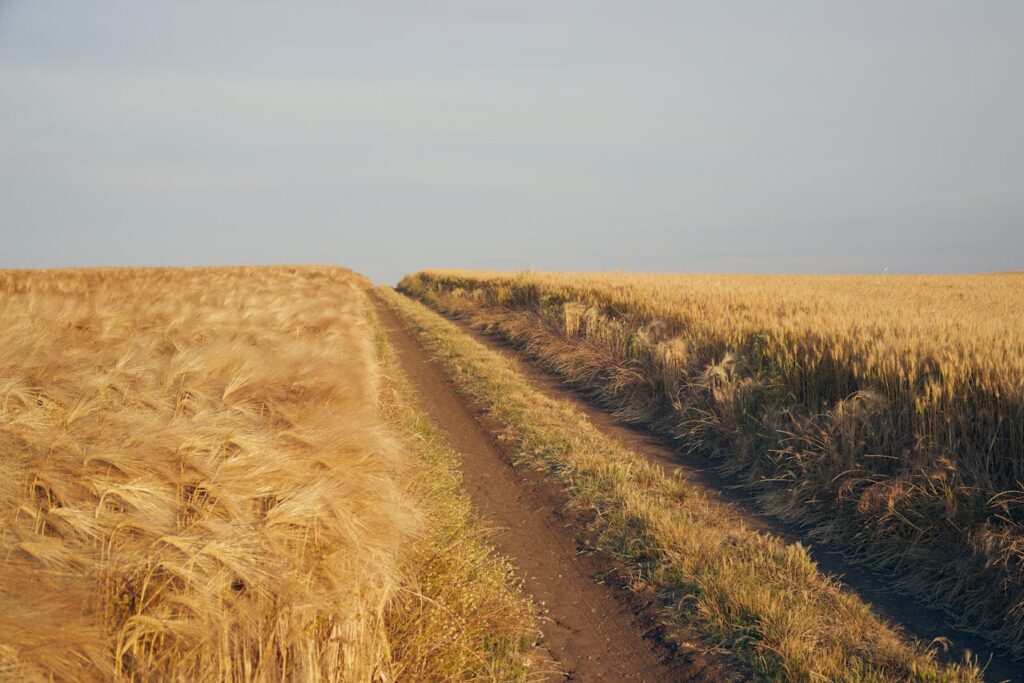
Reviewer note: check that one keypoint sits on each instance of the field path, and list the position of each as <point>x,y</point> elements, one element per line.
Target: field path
<point>591,630</point>
<point>923,622</point>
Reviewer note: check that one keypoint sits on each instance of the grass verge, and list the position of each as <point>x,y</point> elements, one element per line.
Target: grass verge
<point>763,599</point>
<point>460,614</point>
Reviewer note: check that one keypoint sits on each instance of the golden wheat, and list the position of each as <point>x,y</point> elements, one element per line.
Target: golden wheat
<point>886,412</point>
<point>197,483</point>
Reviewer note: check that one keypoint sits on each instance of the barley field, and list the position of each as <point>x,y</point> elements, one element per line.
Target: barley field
<point>885,413</point>
<point>198,482</point>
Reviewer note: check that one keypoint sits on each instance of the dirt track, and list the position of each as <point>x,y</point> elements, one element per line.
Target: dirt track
<point>593,631</point>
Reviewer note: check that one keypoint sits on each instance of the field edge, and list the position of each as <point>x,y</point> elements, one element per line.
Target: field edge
<point>461,614</point>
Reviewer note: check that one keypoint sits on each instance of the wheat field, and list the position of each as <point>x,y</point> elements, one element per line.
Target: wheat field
<point>198,483</point>
<point>885,413</point>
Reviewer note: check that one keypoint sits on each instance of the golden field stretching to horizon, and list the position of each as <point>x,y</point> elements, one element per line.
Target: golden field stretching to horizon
<point>257,473</point>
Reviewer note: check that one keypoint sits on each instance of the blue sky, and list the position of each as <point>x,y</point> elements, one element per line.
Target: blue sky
<point>391,136</point>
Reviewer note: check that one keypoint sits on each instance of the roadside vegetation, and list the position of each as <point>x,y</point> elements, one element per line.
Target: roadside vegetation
<point>760,598</point>
<point>884,413</point>
<point>461,614</point>
<point>205,476</point>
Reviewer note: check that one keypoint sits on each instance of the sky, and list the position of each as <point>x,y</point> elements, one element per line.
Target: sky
<point>391,136</point>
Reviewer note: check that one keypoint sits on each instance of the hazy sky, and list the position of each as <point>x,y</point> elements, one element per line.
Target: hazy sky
<point>390,136</point>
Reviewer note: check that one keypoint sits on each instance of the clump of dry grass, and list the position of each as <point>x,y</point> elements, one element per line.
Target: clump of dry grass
<point>762,599</point>
<point>197,482</point>
<point>887,413</point>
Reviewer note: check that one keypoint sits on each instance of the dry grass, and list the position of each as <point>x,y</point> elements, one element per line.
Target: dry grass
<point>461,615</point>
<point>761,599</point>
<point>197,482</point>
<point>887,413</point>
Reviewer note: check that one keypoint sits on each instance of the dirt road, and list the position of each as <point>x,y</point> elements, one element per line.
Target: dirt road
<point>593,631</point>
